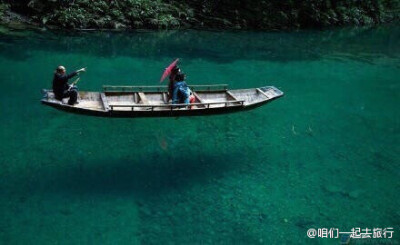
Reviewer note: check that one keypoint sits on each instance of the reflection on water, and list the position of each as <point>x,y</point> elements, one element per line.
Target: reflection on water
<point>364,44</point>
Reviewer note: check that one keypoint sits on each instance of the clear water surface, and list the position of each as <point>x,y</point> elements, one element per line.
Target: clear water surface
<point>325,155</point>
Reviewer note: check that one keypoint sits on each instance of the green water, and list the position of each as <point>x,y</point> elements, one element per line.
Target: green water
<point>325,155</point>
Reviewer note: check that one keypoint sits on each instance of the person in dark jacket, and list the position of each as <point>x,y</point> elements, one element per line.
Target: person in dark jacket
<point>61,88</point>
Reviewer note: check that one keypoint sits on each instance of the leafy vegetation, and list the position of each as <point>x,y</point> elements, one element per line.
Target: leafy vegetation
<point>3,8</point>
<point>257,14</point>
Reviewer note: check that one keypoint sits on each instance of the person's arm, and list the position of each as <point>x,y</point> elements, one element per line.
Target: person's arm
<point>71,75</point>
<point>75,73</point>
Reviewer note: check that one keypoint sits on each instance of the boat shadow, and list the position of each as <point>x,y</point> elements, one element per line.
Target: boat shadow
<point>141,178</point>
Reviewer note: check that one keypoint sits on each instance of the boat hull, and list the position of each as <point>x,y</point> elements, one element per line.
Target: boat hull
<point>107,105</point>
<point>173,113</point>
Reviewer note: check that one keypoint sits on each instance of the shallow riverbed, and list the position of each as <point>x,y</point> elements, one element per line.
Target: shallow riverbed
<point>325,155</point>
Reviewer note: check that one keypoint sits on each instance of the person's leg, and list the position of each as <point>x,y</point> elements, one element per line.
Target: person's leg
<point>73,99</point>
<point>175,95</point>
<point>73,96</point>
<point>184,95</point>
<point>186,98</point>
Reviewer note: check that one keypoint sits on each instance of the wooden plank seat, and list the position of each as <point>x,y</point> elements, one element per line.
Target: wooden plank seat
<point>198,99</point>
<point>231,95</point>
<point>143,98</point>
<point>235,100</point>
<point>262,92</point>
<point>104,101</point>
<point>165,97</point>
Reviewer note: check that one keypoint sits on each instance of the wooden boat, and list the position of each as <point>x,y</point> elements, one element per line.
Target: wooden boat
<point>151,101</point>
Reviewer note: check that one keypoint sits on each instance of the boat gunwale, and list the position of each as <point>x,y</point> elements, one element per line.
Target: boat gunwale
<point>173,106</point>
<point>162,88</point>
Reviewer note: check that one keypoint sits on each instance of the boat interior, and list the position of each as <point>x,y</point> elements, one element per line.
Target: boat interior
<point>155,98</point>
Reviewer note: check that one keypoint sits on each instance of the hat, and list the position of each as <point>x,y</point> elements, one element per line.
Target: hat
<point>60,68</point>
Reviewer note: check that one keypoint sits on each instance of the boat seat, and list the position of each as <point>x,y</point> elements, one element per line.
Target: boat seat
<point>262,92</point>
<point>165,97</point>
<point>104,101</point>
<point>197,97</point>
<point>143,98</point>
<point>231,95</point>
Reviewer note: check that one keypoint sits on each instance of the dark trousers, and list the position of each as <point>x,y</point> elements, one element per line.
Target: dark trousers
<point>72,94</point>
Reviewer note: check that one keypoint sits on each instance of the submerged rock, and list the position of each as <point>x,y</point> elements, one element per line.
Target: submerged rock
<point>304,223</point>
<point>355,193</point>
<point>333,189</point>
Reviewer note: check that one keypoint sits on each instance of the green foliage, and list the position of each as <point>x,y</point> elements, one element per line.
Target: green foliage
<point>3,8</point>
<point>259,14</point>
<point>114,14</point>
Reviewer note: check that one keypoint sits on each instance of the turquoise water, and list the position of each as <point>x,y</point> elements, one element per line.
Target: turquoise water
<point>325,155</point>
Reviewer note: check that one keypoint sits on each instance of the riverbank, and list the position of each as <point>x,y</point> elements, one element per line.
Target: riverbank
<point>144,14</point>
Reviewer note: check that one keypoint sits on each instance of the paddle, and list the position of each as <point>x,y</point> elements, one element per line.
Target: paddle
<point>74,83</point>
